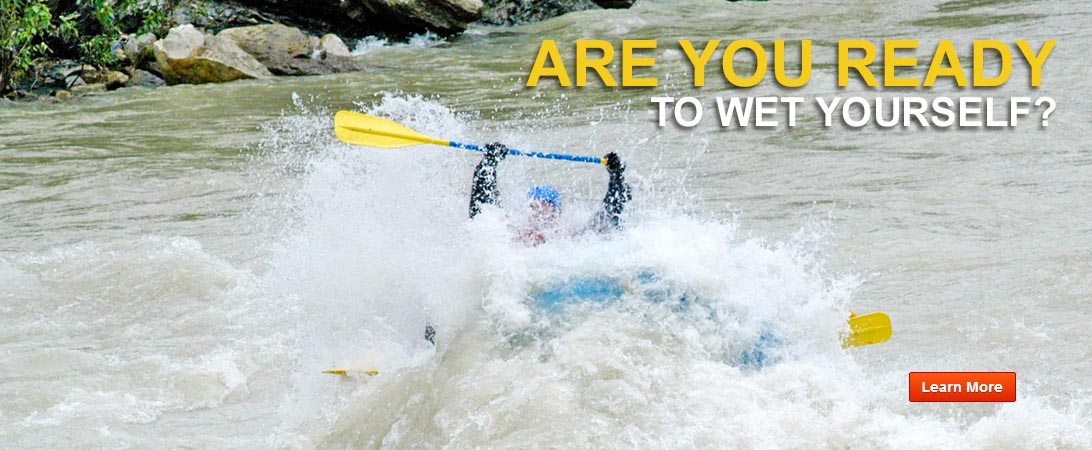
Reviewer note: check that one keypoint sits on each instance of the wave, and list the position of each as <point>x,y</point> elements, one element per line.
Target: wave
<point>382,247</point>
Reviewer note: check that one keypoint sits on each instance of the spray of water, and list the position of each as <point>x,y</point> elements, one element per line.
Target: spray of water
<point>381,247</point>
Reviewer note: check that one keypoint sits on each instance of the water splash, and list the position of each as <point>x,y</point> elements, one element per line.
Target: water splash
<point>383,247</point>
<point>372,43</point>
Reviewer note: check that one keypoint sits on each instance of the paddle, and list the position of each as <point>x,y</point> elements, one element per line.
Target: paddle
<point>362,129</point>
<point>351,372</point>
<point>872,328</point>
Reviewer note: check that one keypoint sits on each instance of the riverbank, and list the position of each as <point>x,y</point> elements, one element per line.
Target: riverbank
<point>197,41</point>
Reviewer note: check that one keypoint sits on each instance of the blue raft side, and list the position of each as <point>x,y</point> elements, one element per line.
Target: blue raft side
<point>602,289</point>
<point>578,290</point>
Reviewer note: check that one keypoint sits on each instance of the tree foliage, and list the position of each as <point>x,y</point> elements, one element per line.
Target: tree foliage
<point>25,26</point>
<point>87,29</point>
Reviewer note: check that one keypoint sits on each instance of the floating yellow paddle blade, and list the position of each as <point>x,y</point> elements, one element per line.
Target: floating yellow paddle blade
<point>362,129</point>
<point>347,372</point>
<point>867,329</point>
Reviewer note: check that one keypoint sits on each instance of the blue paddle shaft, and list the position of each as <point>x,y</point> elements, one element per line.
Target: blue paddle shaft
<point>512,151</point>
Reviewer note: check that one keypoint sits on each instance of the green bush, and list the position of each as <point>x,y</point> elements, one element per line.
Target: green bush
<point>29,30</point>
<point>112,18</point>
<point>25,26</point>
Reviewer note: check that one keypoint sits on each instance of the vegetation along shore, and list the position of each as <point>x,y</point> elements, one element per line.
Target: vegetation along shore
<point>54,49</point>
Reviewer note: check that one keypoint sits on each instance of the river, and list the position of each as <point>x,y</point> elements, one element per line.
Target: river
<point>177,265</point>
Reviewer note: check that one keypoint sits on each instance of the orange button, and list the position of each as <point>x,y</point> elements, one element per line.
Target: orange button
<point>963,386</point>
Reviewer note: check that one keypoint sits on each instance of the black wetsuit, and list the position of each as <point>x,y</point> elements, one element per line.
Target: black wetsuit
<point>484,190</point>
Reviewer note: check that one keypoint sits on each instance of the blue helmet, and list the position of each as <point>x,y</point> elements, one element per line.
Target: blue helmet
<point>547,193</point>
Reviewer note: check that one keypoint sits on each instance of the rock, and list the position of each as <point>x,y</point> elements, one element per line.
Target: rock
<point>273,45</point>
<point>444,16</point>
<point>65,75</point>
<point>270,41</point>
<point>287,51</point>
<point>63,95</point>
<point>320,66</point>
<point>234,15</point>
<point>93,74</point>
<point>614,4</point>
<point>116,80</point>
<point>89,89</point>
<point>144,78</point>
<point>319,16</point>
<point>56,72</point>
<point>139,49</point>
<point>74,80</point>
<point>331,45</point>
<point>512,12</point>
<point>187,55</point>
<point>152,66</point>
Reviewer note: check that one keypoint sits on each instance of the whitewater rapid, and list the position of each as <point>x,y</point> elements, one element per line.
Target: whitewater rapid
<point>178,276</point>
<point>362,248</point>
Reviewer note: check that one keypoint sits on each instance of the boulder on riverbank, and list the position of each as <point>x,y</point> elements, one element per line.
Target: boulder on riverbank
<point>315,16</point>
<point>331,45</point>
<point>189,56</point>
<point>143,78</point>
<point>615,4</point>
<point>288,51</point>
<point>514,12</point>
<point>274,45</point>
<point>443,16</point>
<point>138,49</point>
<point>252,42</point>
<point>361,17</point>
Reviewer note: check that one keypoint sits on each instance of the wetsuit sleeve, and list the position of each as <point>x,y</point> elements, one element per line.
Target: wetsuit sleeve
<point>484,190</point>
<point>618,193</point>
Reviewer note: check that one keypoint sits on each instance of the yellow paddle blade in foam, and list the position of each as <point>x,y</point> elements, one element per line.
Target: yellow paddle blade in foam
<point>867,329</point>
<point>348,372</point>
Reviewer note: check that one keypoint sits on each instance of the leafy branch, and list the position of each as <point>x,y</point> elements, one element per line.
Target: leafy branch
<point>29,30</point>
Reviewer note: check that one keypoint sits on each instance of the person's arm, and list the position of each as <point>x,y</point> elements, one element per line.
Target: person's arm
<point>484,191</point>
<point>618,193</point>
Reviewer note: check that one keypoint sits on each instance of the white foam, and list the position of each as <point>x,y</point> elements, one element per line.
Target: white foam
<point>382,246</point>
<point>369,44</point>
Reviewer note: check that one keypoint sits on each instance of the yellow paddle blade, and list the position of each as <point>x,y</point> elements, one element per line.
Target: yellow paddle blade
<point>362,129</point>
<point>867,329</point>
<point>347,372</point>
